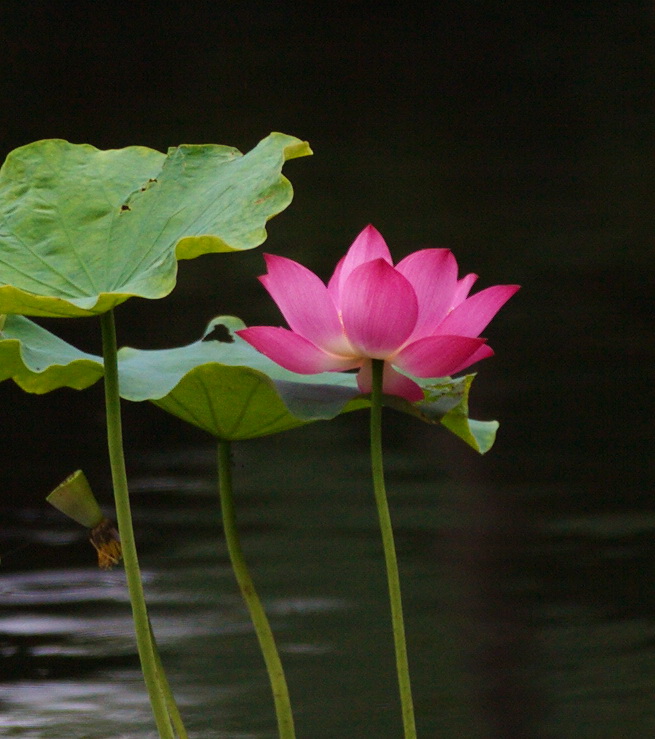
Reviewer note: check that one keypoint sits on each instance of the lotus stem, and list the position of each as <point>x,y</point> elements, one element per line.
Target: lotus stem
<point>246,585</point>
<point>173,710</point>
<point>393,577</point>
<point>150,665</point>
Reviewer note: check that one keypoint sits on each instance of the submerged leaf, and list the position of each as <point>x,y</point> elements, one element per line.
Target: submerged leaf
<point>82,230</point>
<point>39,361</point>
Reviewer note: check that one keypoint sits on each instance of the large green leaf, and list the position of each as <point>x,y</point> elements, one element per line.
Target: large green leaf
<point>232,391</point>
<point>39,361</point>
<point>224,386</point>
<point>228,388</point>
<point>82,230</point>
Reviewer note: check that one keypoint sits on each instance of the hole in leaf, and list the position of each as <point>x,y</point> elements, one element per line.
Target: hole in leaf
<point>220,333</point>
<point>151,181</point>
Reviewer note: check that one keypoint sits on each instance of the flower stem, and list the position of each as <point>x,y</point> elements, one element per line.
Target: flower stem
<point>393,578</point>
<point>246,585</point>
<point>145,645</point>
<point>173,710</point>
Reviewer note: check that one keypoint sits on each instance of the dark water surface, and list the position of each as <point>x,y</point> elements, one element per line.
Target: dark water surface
<point>523,618</point>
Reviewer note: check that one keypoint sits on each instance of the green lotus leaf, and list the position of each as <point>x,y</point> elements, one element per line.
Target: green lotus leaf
<point>446,402</point>
<point>228,388</point>
<point>233,392</point>
<point>39,361</point>
<point>82,230</point>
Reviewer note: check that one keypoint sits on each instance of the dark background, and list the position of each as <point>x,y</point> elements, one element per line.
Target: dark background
<point>520,134</point>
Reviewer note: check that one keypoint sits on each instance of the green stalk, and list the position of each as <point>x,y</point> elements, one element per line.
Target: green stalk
<point>246,585</point>
<point>173,710</point>
<point>145,646</point>
<point>393,578</point>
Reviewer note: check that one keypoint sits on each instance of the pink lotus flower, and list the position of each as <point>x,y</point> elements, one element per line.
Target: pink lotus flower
<point>415,316</point>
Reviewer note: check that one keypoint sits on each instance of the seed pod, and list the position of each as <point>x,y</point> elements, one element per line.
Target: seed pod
<point>75,499</point>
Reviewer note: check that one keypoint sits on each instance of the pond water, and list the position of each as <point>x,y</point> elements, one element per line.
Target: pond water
<point>526,614</point>
<point>312,542</point>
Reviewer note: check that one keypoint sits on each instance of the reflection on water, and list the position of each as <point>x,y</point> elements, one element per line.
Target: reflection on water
<point>511,631</point>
